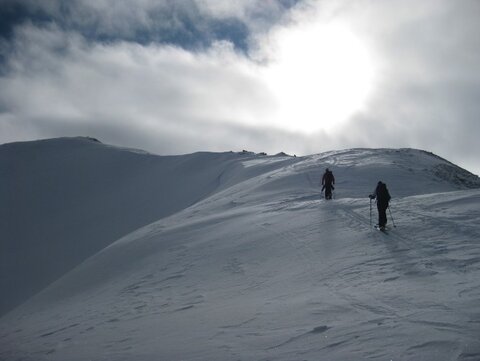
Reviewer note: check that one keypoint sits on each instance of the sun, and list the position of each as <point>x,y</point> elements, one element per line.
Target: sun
<point>319,76</point>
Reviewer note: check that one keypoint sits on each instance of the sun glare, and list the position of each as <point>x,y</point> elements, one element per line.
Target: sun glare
<point>320,75</point>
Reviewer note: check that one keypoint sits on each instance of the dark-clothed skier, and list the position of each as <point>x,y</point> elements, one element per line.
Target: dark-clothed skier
<point>383,197</point>
<point>328,180</point>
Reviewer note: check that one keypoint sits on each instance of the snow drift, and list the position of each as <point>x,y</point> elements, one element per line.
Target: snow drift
<point>236,256</point>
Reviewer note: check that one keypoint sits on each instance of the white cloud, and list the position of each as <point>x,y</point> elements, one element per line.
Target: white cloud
<point>59,81</point>
<point>428,80</point>
<point>167,99</point>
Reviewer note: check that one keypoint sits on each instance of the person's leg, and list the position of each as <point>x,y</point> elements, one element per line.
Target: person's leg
<point>328,192</point>
<point>382,216</point>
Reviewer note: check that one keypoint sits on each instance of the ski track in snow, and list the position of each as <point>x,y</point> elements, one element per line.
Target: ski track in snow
<point>262,268</point>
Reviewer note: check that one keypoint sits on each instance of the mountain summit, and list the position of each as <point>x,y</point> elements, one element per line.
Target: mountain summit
<point>219,256</point>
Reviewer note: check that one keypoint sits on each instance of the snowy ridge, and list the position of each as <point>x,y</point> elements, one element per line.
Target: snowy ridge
<point>258,267</point>
<point>66,199</point>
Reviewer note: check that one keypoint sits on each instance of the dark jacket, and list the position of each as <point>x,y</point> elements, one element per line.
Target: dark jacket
<point>382,195</point>
<point>328,179</point>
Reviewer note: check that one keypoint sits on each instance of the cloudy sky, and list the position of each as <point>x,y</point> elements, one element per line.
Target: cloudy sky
<point>300,76</point>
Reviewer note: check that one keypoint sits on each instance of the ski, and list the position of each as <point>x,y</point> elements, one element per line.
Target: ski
<point>384,229</point>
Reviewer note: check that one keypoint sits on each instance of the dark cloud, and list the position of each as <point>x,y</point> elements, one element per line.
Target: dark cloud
<point>11,14</point>
<point>192,24</point>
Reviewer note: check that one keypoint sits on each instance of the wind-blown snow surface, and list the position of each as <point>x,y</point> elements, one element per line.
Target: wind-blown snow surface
<point>261,268</point>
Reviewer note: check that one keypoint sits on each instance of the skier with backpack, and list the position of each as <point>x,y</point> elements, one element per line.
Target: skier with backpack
<point>328,180</point>
<point>382,196</point>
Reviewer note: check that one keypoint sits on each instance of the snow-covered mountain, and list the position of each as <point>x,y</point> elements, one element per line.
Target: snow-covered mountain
<point>235,256</point>
<point>66,199</point>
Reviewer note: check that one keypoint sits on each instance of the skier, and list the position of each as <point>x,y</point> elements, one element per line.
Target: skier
<point>383,197</point>
<point>328,180</point>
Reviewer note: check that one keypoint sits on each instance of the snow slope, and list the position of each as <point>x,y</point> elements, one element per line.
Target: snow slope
<point>259,267</point>
<point>65,199</point>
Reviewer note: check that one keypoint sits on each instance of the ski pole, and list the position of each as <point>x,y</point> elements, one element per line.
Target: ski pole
<point>370,212</point>
<point>393,222</point>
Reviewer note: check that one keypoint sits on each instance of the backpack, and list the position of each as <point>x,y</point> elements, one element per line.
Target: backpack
<point>382,193</point>
<point>328,177</point>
